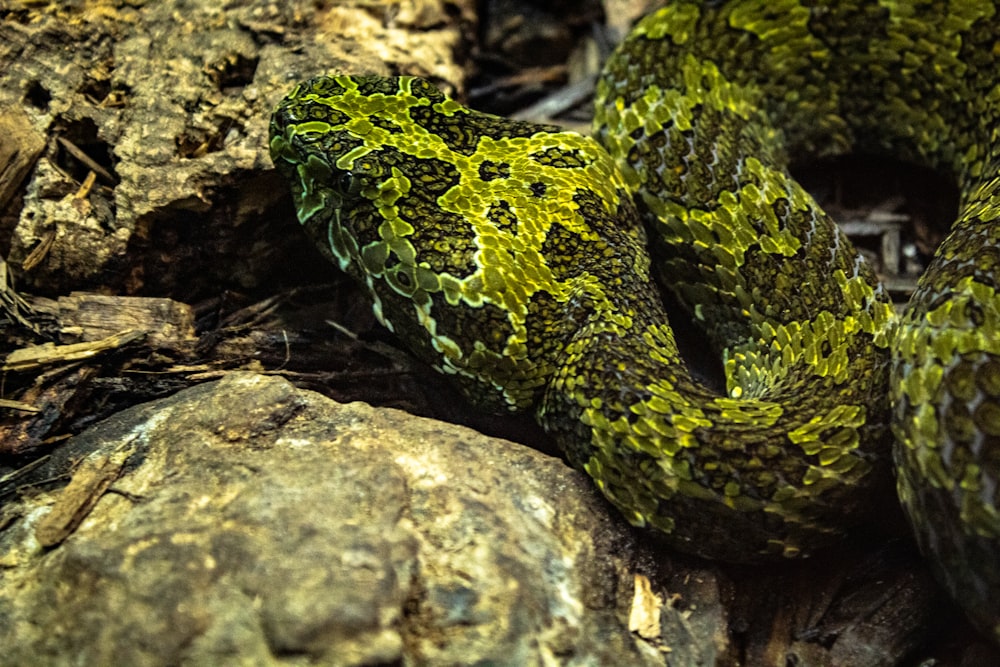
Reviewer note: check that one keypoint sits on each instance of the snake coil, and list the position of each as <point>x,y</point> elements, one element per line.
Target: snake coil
<point>514,258</point>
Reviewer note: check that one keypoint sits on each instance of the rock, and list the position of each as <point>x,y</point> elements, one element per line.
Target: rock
<point>155,117</point>
<point>248,522</point>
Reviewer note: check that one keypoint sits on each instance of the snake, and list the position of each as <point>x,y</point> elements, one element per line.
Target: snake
<point>536,268</point>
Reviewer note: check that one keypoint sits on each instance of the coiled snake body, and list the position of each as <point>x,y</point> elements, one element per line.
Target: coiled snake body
<point>514,258</point>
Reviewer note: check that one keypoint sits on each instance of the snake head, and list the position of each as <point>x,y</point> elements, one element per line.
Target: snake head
<point>446,215</point>
<point>357,153</point>
<point>308,137</point>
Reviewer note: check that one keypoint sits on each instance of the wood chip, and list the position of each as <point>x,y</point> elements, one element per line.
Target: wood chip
<point>90,481</point>
<point>644,619</point>
<point>35,356</point>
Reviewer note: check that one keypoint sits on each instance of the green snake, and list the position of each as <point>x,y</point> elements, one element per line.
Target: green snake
<point>526,263</point>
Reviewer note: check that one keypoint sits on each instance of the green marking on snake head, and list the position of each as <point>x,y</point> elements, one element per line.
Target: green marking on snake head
<point>513,258</point>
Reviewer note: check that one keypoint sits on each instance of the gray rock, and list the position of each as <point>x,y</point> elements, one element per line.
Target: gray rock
<point>246,522</point>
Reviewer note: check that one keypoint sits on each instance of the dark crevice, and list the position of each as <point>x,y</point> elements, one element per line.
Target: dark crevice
<point>80,151</point>
<point>197,142</point>
<point>234,71</point>
<point>37,96</point>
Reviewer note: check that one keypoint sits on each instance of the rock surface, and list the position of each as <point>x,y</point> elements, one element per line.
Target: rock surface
<point>248,522</point>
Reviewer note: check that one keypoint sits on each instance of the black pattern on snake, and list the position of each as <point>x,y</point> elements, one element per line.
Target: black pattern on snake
<point>514,258</point>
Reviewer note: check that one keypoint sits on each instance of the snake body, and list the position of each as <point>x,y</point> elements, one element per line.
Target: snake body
<point>514,258</point>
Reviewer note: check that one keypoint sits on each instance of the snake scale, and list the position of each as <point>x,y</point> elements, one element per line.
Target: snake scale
<point>525,262</point>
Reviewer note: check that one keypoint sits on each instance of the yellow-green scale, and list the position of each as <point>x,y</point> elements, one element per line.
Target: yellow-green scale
<point>513,257</point>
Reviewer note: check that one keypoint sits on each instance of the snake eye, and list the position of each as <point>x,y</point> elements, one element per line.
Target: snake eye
<point>348,183</point>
